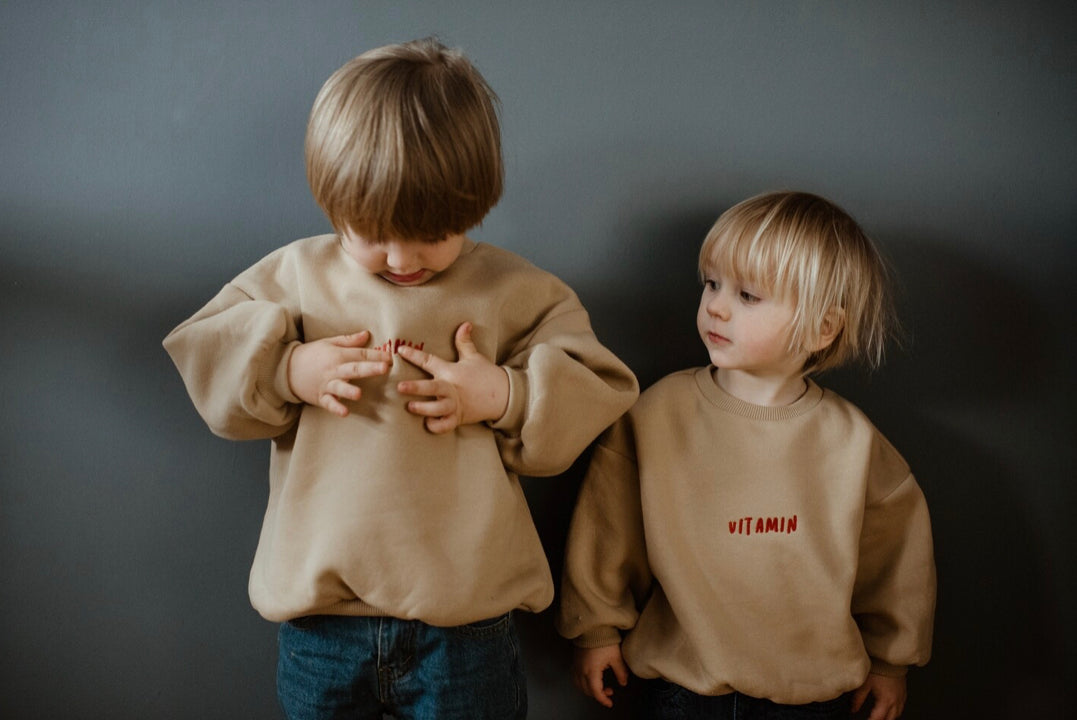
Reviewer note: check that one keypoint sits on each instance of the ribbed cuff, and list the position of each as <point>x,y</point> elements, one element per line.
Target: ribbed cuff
<point>279,375</point>
<point>879,667</point>
<point>600,637</point>
<point>516,408</point>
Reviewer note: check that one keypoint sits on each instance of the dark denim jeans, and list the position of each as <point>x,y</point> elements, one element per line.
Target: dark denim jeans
<point>663,700</point>
<point>360,668</point>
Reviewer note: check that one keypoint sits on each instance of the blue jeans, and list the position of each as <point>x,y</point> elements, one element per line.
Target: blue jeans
<point>662,700</point>
<point>362,667</point>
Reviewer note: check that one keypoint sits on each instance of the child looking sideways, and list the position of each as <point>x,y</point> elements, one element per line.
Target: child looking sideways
<point>745,539</point>
<point>406,376</point>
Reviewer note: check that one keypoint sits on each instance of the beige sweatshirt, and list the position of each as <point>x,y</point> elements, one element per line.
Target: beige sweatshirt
<point>780,552</point>
<point>372,514</point>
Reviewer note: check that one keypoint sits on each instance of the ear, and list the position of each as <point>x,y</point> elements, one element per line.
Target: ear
<point>829,329</point>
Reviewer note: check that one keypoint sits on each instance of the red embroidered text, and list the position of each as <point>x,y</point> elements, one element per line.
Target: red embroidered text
<point>759,526</point>
<point>391,346</point>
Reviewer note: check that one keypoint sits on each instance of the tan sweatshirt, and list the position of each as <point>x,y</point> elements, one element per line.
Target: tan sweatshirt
<point>780,552</point>
<point>372,514</point>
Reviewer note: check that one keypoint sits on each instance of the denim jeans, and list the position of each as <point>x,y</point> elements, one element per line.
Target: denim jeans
<point>362,667</point>
<point>662,700</point>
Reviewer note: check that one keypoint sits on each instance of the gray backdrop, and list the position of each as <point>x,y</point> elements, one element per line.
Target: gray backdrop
<point>152,150</point>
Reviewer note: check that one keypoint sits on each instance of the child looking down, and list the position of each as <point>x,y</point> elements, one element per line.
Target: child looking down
<point>406,376</point>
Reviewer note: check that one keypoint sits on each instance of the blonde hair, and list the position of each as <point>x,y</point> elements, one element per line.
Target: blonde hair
<point>404,141</point>
<point>803,247</point>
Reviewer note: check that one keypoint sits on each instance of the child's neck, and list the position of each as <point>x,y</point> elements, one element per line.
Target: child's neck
<point>765,390</point>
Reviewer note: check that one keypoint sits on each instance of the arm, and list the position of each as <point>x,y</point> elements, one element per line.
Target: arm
<point>590,664</point>
<point>607,576</point>
<point>565,388</point>
<point>247,371</point>
<point>894,595</point>
<point>233,357</point>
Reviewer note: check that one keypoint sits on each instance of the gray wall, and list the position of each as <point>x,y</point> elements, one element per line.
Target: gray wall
<point>152,150</point>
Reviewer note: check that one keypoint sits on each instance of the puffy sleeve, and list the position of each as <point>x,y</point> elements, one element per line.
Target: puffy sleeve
<point>607,576</point>
<point>565,388</point>
<point>233,358</point>
<point>894,594</point>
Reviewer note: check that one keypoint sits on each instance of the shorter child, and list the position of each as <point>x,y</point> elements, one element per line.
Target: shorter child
<point>745,539</point>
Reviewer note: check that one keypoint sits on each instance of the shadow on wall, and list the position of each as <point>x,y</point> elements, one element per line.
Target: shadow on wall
<point>997,650</point>
<point>963,401</point>
<point>649,318</point>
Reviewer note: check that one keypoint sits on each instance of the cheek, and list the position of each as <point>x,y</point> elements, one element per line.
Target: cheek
<point>441,261</point>
<point>442,258</point>
<point>366,257</point>
<point>701,314</point>
<point>372,262</point>
<point>774,343</point>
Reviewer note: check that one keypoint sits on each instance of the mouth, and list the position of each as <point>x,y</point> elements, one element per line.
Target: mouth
<point>414,278</point>
<point>718,339</point>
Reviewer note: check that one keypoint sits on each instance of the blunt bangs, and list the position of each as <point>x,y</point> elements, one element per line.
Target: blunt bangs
<point>404,141</point>
<point>801,247</point>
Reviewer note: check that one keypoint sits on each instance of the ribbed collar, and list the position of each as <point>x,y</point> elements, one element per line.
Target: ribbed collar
<point>708,385</point>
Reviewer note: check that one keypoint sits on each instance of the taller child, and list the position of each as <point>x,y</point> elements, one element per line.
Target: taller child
<point>406,376</point>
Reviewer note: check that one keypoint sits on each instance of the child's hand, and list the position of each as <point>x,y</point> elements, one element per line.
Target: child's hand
<point>588,666</point>
<point>471,390</point>
<point>320,372</point>
<point>889,692</point>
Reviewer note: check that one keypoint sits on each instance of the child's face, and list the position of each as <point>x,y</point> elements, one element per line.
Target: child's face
<point>747,329</point>
<point>403,262</point>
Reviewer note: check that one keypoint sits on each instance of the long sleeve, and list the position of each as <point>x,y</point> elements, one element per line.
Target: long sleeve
<point>607,576</point>
<point>371,513</point>
<point>565,388</point>
<point>790,547</point>
<point>894,595</point>
<point>233,358</point>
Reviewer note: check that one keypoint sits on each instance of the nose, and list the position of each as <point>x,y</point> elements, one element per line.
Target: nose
<point>718,305</point>
<point>401,256</point>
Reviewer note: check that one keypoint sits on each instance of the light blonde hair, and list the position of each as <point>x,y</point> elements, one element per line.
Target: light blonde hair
<point>404,142</point>
<point>803,247</point>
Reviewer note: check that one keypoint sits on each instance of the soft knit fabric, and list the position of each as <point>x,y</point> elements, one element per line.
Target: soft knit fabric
<point>372,514</point>
<point>780,552</point>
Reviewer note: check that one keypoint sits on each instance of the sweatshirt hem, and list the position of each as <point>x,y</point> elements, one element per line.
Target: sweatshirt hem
<point>350,608</point>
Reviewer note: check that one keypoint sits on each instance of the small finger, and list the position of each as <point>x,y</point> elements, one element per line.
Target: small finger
<point>620,671</point>
<point>427,388</point>
<point>596,689</point>
<point>464,344</point>
<point>442,425</point>
<point>880,712</point>
<point>363,368</point>
<point>343,389</point>
<point>353,340</point>
<point>431,408</point>
<point>419,358</point>
<point>333,405</point>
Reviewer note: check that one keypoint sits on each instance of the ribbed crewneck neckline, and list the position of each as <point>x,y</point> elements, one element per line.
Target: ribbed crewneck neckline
<point>708,385</point>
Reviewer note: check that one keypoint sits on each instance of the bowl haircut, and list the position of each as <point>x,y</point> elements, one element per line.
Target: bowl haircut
<point>404,142</point>
<point>799,246</point>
